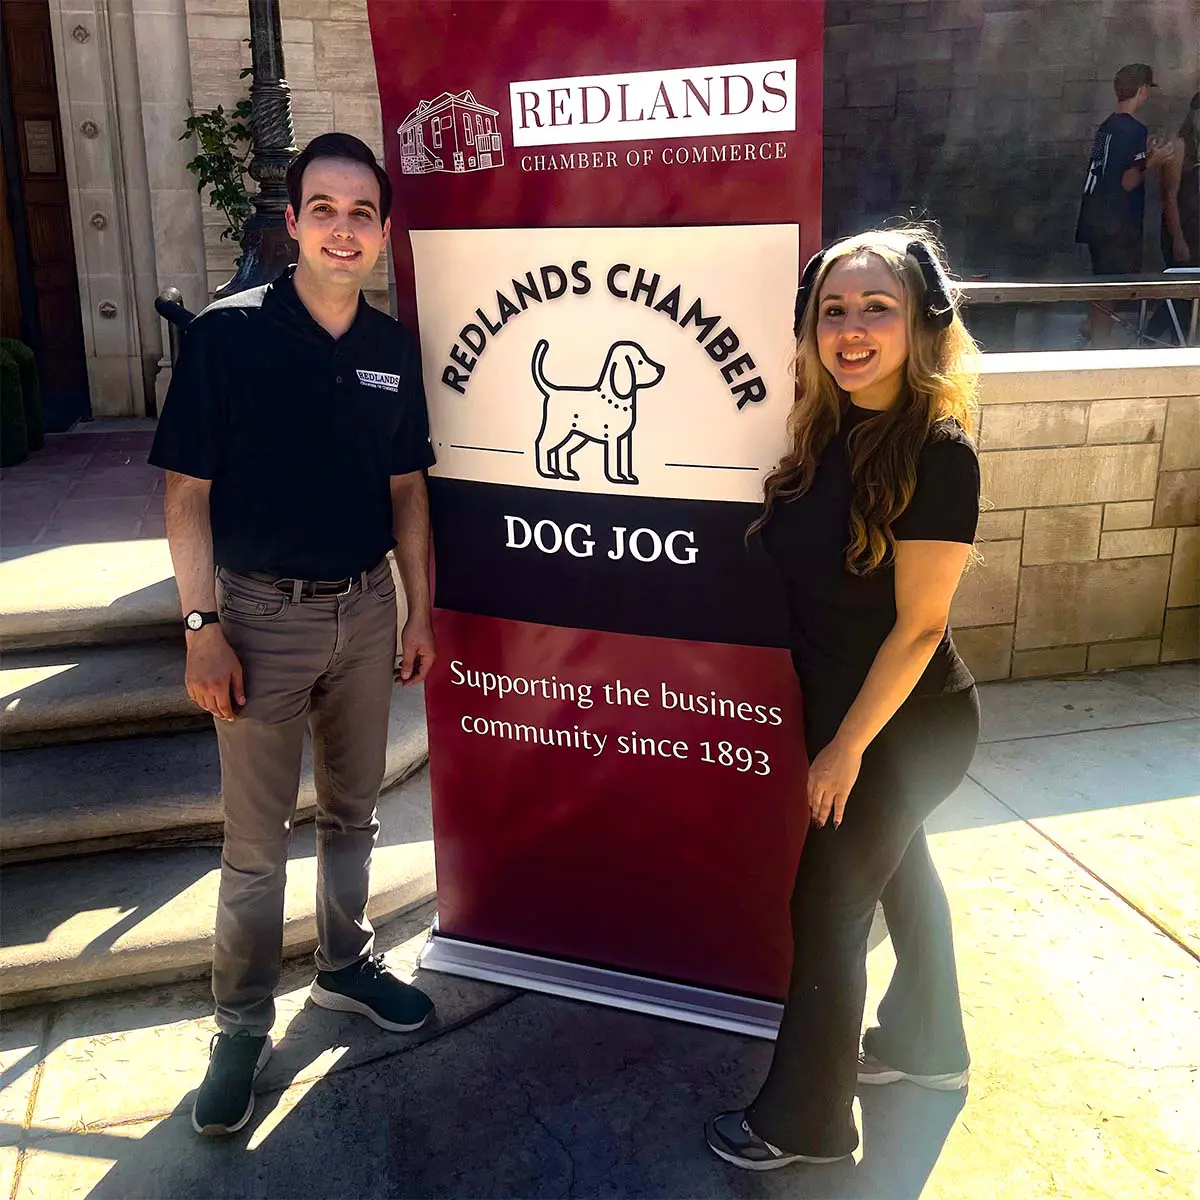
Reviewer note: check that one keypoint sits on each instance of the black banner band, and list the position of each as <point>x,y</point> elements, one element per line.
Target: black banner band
<point>621,564</point>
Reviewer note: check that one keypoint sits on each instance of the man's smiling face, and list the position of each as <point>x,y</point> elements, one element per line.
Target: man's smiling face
<point>338,226</point>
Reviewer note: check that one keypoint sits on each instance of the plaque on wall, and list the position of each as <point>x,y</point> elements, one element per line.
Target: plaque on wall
<point>40,158</point>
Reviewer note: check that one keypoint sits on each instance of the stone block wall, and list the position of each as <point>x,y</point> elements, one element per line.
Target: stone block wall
<point>980,114</point>
<point>331,70</point>
<point>1091,531</point>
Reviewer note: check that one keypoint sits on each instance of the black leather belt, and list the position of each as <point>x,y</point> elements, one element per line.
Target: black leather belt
<point>309,589</point>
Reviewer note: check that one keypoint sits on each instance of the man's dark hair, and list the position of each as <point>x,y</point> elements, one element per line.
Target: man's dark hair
<point>337,145</point>
<point>1131,77</point>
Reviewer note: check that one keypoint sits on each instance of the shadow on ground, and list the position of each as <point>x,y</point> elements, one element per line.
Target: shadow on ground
<point>580,1101</point>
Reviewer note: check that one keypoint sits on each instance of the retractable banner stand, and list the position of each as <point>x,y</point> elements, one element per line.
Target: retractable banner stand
<point>601,209</point>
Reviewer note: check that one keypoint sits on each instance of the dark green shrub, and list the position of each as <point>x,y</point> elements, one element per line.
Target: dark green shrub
<point>14,441</point>
<point>31,391</point>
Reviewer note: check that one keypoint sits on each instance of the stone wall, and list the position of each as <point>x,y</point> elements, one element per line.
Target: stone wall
<point>330,67</point>
<point>1091,531</point>
<point>980,115</point>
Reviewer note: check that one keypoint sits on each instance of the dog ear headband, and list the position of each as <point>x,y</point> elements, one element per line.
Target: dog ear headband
<point>937,308</point>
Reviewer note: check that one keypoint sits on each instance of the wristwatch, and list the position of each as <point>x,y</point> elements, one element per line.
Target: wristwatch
<point>197,620</point>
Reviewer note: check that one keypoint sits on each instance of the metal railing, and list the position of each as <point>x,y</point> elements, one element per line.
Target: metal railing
<point>1180,286</point>
<point>169,306</point>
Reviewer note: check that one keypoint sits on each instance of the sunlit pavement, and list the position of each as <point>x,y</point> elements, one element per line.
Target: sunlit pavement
<point>1072,863</point>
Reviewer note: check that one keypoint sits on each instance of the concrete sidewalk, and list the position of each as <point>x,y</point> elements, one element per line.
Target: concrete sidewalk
<point>1072,861</point>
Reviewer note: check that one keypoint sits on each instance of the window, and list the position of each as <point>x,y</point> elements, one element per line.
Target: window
<point>437,133</point>
<point>467,131</point>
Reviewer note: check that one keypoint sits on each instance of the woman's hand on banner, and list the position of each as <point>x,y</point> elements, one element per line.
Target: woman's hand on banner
<point>830,779</point>
<point>418,650</point>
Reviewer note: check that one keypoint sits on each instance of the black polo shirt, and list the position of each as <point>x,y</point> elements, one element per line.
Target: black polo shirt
<point>299,432</point>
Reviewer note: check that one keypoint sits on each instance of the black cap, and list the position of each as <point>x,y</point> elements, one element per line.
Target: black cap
<point>1131,77</point>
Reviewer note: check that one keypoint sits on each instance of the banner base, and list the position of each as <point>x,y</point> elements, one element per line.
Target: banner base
<point>598,985</point>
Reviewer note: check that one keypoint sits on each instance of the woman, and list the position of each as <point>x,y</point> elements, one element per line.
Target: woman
<point>870,518</point>
<point>1181,194</point>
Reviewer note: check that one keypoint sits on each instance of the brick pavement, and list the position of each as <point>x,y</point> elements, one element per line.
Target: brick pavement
<point>93,485</point>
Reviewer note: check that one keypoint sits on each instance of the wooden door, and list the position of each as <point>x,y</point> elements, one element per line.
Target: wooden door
<point>55,326</point>
<point>10,288</point>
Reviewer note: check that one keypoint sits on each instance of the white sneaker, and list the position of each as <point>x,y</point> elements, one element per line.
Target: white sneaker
<point>871,1071</point>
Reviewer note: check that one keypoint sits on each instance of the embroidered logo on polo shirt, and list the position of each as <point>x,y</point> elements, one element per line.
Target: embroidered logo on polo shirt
<point>379,379</point>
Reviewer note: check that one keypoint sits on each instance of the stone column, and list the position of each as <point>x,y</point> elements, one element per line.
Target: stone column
<point>92,107</point>
<point>176,214</point>
<point>135,187</point>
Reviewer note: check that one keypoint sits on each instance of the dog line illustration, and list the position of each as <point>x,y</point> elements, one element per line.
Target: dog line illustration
<point>604,412</point>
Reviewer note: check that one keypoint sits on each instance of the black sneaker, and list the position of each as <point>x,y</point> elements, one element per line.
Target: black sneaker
<point>731,1138</point>
<point>226,1097</point>
<point>369,987</point>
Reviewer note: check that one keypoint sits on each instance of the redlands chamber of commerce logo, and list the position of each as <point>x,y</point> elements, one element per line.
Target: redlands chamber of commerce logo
<point>452,132</point>
<point>456,133</point>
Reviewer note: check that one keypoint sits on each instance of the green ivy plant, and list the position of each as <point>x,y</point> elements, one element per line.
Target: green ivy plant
<point>222,165</point>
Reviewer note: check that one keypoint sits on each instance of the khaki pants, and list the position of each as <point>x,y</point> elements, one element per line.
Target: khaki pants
<point>324,664</point>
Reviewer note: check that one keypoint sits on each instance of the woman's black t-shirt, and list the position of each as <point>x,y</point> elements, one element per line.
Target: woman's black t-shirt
<point>839,620</point>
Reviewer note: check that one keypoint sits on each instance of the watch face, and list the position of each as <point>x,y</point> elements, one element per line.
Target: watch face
<point>195,620</point>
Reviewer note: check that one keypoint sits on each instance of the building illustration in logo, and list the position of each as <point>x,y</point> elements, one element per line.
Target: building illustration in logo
<point>452,133</point>
<point>604,412</point>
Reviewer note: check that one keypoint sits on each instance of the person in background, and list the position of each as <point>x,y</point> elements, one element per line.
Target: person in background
<point>1112,209</point>
<point>1181,194</point>
<point>870,518</point>
<point>295,439</point>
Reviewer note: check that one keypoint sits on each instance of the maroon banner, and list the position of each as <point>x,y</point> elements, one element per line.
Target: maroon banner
<point>601,209</point>
<point>629,834</point>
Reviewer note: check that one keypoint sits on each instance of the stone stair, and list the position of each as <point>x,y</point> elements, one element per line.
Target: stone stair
<point>83,693</point>
<point>110,814</point>
<point>97,593</point>
<point>128,918</point>
<point>63,801</point>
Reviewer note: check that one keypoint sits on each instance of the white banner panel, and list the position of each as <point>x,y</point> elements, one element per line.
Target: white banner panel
<point>731,98</point>
<point>652,362</point>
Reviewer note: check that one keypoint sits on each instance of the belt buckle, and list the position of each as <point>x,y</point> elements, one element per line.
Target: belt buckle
<point>347,589</point>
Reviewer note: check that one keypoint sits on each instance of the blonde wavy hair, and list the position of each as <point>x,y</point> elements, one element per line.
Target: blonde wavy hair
<point>940,384</point>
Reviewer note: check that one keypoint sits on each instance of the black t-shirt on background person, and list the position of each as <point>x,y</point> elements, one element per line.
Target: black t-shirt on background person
<point>839,620</point>
<point>298,431</point>
<point>1108,213</point>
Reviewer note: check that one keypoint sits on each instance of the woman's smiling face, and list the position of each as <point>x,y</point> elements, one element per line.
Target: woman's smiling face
<point>862,329</point>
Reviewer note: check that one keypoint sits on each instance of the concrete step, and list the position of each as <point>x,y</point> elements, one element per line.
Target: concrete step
<point>84,693</point>
<point>61,801</point>
<point>120,920</point>
<point>87,594</point>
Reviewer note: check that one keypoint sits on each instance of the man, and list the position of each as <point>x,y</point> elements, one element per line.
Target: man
<point>1112,210</point>
<point>294,437</point>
